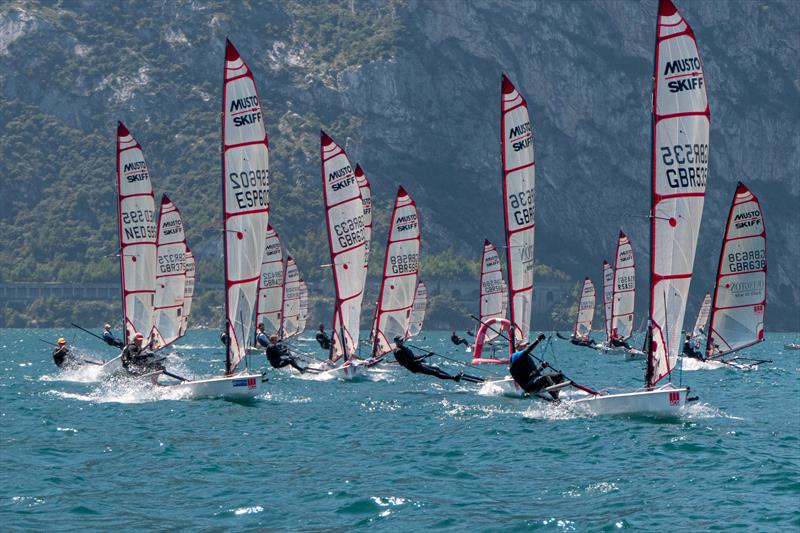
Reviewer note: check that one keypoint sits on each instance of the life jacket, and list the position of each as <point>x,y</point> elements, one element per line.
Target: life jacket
<point>406,358</point>
<point>523,368</point>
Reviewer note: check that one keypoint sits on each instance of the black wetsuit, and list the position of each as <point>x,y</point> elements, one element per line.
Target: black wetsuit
<point>689,351</point>
<point>137,361</point>
<point>414,363</point>
<point>62,357</point>
<point>279,357</point>
<point>111,341</point>
<point>323,340</point>
<point>455,339</point>
<point>580,342</point>
<point>619,343</point>
<point>529,376</point>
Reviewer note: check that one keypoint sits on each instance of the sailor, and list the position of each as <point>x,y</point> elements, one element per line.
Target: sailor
<point>528,375</point>
<point>224,338</point>
<point>62,357</point>
<point>323,339</point>
<point>689,349</point>
<point>455,339</point>
<point>137,360</point>
<point>110,339</point>
<point>414,363</point>
<point>261,339</point>
<point>577,341</point>
<point>278,355</point>
<point>617,342</point>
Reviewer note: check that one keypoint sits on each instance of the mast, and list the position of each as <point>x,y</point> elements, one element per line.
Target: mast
<point>740,295</point>
<point>345,222</point>
<point>608,295</point>
<point>518,204</point>
<point>137,236</point>
<point>269,304</point>
<point>400,272</point>
<point>245,204</point>
<point>624,287</point>
<point>585,315</point>
<point>170,275</point>
<point>680,122</point>
<point>492,288</point>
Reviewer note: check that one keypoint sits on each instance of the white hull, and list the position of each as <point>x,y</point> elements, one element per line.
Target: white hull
<point>349,371</point>
<point>633,354</point>
<point>241,386</point>
<point>666,400</point>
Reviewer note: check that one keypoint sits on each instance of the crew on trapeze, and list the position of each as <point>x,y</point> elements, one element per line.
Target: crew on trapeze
<point>690,349</point>
<point>137,360</point>
<point>406,358</point>
<point>455,339</point>
<point>278,355</point>
<point>322,338</point>
<point>530,376</point>
<point>62,356</point>
<point>110,339</point>
<point>262,341</point>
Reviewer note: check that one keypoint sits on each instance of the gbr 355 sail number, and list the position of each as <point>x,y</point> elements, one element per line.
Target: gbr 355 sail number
<point>686,165</point>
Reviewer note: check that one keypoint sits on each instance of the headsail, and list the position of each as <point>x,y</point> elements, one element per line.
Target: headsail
<point>345,221</point>
<point>583,321</point>
<point>608,295</point>
<point>418,310</point>
<point>137,235</point>
<point>170,275</point>
<point>702,317</point>
<point>290,325</point>
<point>740,297</point>
<point>518,204</point>
<point>269,306</point>
<point>624,299</point>
<point>400,272</point>
<point>681,121</point>
<point>188,292</point>
<point>492,288</point>
<point>245,190</point>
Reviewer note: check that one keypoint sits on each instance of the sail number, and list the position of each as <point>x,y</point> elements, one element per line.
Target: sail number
<point>252,187</point>
<point>138,224</point>
<point>350,232</point>
<point>747,261</point>
<point>404,264</point>
<point>171,263</point>
<point>522,204</point>
<point>692,165</point>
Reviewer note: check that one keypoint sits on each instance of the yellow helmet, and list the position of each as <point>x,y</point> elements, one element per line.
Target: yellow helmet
<point>62,340</point>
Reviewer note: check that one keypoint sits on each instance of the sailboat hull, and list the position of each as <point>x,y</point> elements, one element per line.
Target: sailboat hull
<point>666,400</point>
<point>347,372</point>
<point>242,386</point>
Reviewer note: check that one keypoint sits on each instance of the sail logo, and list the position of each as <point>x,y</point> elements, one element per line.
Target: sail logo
<point>492,261</point>
<point>521,136</point>
<point>246,103</point>
<point>748,219</point>
<point>136,171</point>
<point>689,64</point>
<point>341,178</point>
<point>406,223</point>
<point>626,255</point>
<point>741,288</point>
<point>526,253</point>
<point>689,70</point>
<point>674,398</point>
<point>272,249</point>
<point>172,227</point>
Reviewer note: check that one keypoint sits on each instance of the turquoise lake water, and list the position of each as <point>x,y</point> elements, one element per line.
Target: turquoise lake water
<point>402,452</point>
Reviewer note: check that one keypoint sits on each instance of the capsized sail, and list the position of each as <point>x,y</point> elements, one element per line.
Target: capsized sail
<point>681,121</point>
<point>269,306</point>
<point>583,321</point>
<point>170,275</point>
<point>702,317</point>
<point>137,235</point>
<point>608,295</point>
<point>518,205</point>
<point>188,292</point>
<point>740,297</point>
<point>400,272</point>
<point>345,222</point>
<point>290,325</point>
<point>624,298</point>
<point>492,288</point>
<point>245,189</point>
<point>418,310</point>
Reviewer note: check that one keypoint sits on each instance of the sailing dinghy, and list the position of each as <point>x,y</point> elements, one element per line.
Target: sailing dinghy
<point>679,171</point>
<point>583,320</point>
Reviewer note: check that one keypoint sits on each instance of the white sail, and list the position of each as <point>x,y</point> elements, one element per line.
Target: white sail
<point>301,324</point>
<point>740,297</point>
<point>492,288</point>
<point>366,200</point>
<point>608,295</point>
<point>680,168</point>
<point>269,306</point>
<point>170,275</point>
<point>137,235</point>
<point>702,317</point>
<point>188,292</point>
<point>624,298</point>
<point>345,222</point>
<point>245,185</point>
<point>518,205</point>
<point>583,321</point>
<point>290,326</point>
<point>418,310</point>
<point>400,272</point>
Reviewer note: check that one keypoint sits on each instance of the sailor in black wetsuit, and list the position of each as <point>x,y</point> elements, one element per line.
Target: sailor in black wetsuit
<point>323,339</point>
<point>577,341</point>
<point>455,339</point>
<point>278,355</point>
<point>689,349</point>
<point>616,342</point>
<point>62,357</point>
<point>110,339</point>
<point>414,363</point>
<point>529,376</point>
<point>137,360</point>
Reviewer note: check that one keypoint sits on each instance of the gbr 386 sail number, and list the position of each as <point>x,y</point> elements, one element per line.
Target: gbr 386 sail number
<point>686,165</point>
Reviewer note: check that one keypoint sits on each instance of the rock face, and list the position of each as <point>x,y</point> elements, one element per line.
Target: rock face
<point>413,88</point>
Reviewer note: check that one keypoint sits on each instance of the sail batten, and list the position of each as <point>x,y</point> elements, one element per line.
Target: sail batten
<point>680,144</point>
<point>245,189</point>
<point>740,295</point>
<point>170,275</point>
